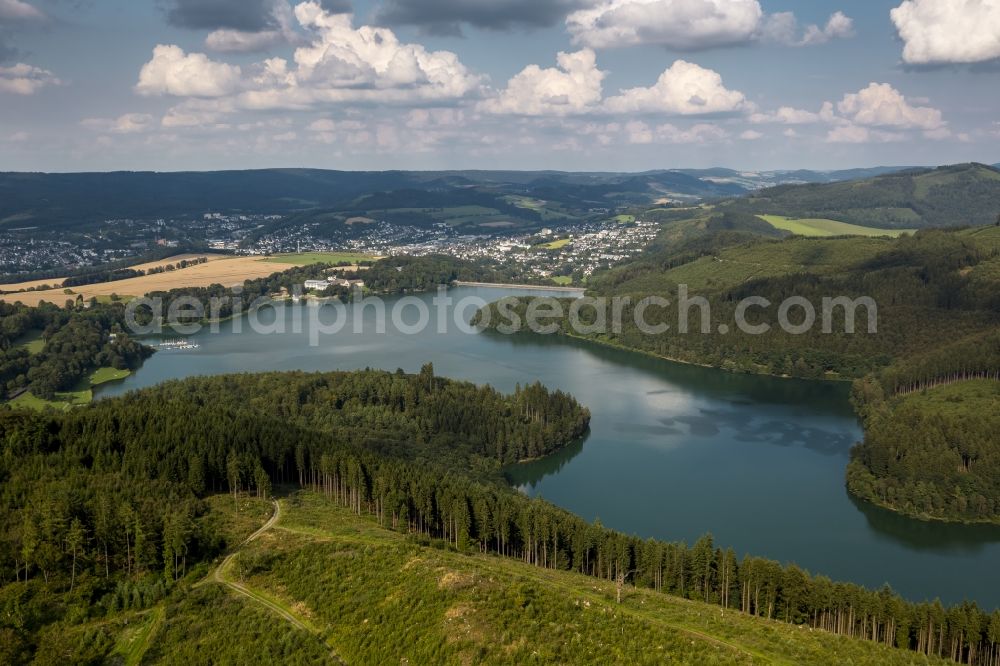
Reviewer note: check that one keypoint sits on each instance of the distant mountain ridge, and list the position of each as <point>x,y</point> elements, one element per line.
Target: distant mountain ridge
<point>79,200</point>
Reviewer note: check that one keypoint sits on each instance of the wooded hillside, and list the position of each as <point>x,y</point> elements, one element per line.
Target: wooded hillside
<point>949,196</point>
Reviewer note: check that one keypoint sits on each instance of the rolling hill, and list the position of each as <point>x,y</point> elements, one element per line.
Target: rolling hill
<point>756,180</point>
<point>359,593</point>
<point>79,200</point>
<point>949,196</point>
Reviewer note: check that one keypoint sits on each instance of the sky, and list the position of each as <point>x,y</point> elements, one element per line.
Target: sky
<point>580,85</point>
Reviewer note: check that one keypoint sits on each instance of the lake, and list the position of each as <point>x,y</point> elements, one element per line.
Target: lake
<point>674,451</point>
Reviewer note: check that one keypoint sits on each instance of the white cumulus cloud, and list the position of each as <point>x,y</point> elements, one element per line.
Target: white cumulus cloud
<point>572,87</point>
<point>683,89</point>
<point>16,10</point>
<point>679,24</point>
<point>691,25</point>
<point>22,79</point>
<point>343,64</point>
<point>877,113</point>
<point>881,105</point>
<point>948,31</point>
<point>786,115</point>
<point>174,72</point>
<point>370,57</point>
<point>839,26</point>
<point>338,64</point>
<point>575,88</point>
<point>784,28</point>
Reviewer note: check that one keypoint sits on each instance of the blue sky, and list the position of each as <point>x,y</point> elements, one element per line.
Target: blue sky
<point>522,84</point>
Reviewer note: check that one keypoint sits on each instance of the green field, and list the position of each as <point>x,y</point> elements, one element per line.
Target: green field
<point>958,400</point>
<point>624,219</point>
<point>63,400</point>
<point>563,280</point>
<point>822,227</point>
<point>113,298</point>
<point>541,207</point>
<point>83,394</point>
<point>104,375</point>
<point>526,202</point>
<point>320,258</point>
<point>555,245</point>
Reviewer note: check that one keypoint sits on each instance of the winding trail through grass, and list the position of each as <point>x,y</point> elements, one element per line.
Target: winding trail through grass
<point>140,644</point>
<point>221,576</point>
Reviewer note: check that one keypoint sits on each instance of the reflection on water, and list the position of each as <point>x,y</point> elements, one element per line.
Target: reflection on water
<point>524,476</point>
<point>738,390</point>
<point>934,537</point>
<point>674,451</point>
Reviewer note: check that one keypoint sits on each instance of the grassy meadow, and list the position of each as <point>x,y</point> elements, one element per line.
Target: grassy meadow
<point>975,396</point>
<point>555,245</point>
<point>824,228</point>
<point>378,596</point>
<point>81,395</point>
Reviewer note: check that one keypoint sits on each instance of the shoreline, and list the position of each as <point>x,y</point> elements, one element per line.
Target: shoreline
<point>649,354</point>
<point>525,287</point>
<point>923,518</point>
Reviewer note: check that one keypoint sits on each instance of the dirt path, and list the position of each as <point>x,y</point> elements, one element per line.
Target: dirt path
<point>651,617</point>
<point>221,576</point>
<point>145,637</point>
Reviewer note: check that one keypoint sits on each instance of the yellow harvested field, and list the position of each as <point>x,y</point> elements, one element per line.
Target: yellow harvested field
<point>57,282</point>
<point>179,258</point>
<point>227,271</point>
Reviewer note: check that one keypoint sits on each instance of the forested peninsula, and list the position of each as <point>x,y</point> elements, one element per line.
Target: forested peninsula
<point>48,349</point>
<point>104,505</point>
